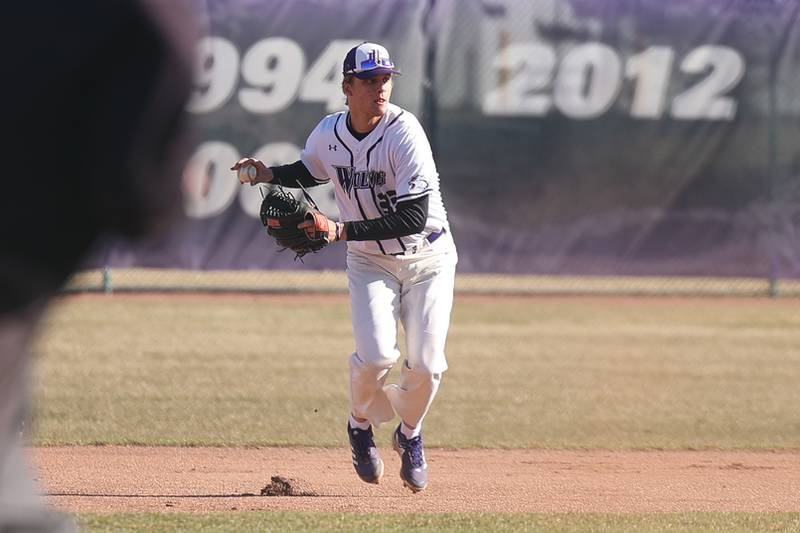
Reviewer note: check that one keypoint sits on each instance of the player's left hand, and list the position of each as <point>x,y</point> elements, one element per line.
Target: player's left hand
<point>318,225</point>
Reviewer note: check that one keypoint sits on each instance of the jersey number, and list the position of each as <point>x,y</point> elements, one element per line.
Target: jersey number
<point>387,202</point>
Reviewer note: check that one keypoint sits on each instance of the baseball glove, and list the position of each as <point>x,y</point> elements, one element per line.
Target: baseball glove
<point>281,212</point>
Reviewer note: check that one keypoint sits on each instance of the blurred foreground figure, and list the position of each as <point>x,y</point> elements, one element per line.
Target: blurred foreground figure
<point>93,97</point>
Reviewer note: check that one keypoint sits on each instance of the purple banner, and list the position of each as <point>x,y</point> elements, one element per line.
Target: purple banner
<point>572,137</point>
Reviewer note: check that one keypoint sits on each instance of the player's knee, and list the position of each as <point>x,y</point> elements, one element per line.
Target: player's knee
<point>425,372</point>
<point>432,365</point>
<point>377,354</point>
<point>370,364</point>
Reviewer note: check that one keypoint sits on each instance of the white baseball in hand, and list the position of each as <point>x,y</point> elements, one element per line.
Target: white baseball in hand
<point>247,173</point>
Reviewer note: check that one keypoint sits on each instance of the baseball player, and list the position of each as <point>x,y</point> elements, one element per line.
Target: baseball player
<point>401,259</point>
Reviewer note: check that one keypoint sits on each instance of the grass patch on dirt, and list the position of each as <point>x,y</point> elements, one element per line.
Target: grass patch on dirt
<point>566,522</point>
<point>615,373</point>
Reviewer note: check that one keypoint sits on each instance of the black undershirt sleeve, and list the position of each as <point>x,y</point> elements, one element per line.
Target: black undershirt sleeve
<point>292,175</point>
<point>409,218</point>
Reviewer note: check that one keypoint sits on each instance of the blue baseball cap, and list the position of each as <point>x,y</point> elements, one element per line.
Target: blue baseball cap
<point>368,60</point>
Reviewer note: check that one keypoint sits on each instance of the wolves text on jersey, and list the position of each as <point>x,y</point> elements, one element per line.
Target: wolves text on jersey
<point>350,178</point>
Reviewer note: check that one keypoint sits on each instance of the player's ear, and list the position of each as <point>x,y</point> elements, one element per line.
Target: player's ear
<point>347,86</point>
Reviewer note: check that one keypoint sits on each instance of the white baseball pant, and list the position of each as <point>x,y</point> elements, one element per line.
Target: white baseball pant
<point>417,290</point>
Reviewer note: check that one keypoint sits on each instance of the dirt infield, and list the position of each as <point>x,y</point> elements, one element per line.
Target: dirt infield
<point>130,479</point>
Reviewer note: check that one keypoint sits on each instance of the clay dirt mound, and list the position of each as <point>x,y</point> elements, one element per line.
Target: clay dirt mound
<point>284,486</point>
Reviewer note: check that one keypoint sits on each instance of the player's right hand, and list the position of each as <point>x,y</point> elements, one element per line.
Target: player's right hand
<point>263,173</point>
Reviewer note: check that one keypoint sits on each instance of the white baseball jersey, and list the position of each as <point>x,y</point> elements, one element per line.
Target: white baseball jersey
<point>392,164</point>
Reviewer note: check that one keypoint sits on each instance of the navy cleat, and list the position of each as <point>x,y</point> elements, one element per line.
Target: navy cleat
<point>414,469</point>
<point>366,459</point>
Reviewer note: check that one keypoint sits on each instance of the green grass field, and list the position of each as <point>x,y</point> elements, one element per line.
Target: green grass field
<point>545,522</point>
<point>525,373</point>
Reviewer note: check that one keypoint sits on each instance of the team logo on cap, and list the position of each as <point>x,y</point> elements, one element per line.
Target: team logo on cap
<point>374,56</point>
<point>368,57</point>
<point>375,60</point>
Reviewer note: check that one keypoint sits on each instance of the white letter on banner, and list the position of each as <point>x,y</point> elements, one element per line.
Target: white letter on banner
<point>651,69</point>
<point>523,70</point>
<point>706,99</point>
<point>323,83</point>
<point>208,182</point>
<point>274,67</point>
<point>588,81</point>
<point>216,73</point>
